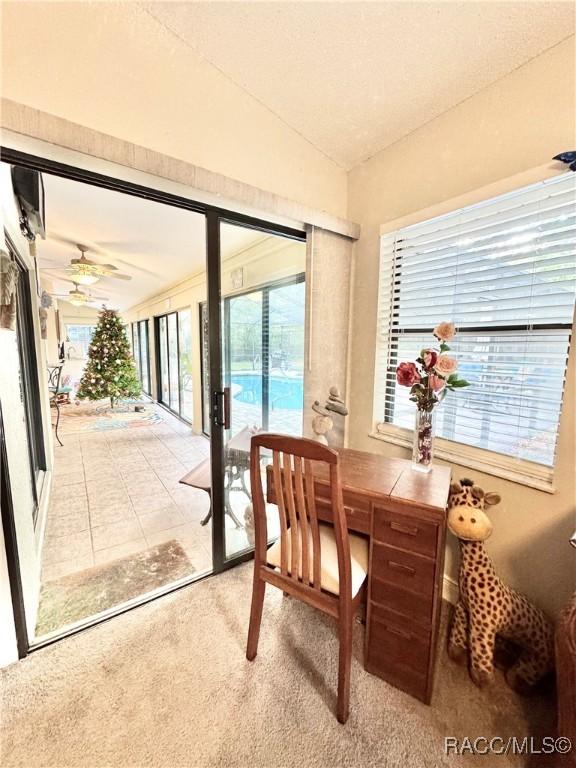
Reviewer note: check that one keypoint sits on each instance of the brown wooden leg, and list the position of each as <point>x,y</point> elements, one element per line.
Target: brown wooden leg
<point>258,590</point>
<point>344,664</point>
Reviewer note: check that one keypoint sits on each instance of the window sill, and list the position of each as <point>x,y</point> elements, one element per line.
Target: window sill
<point>516,471</point>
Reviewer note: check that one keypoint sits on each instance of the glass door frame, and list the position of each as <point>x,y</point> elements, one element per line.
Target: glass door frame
<point>218,407</point>
<point>29,372</point>
<point>158,360</point>
<point>265,289</point>
<point>214,216</point>
<point>137,331</point>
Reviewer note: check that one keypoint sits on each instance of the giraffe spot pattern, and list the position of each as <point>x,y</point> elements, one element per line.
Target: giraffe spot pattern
<point>488,607</point>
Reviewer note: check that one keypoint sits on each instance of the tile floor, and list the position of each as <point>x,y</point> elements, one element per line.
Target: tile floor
<point>116,492</point>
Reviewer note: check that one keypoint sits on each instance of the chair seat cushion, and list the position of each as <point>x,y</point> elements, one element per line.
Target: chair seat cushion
<point>329,558</point>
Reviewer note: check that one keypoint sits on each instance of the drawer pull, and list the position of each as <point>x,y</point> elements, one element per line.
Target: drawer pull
<point>403,568</point>
<point>409,530</point>
<point>399,632</point>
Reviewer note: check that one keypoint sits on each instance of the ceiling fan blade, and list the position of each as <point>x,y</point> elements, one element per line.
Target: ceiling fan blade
<point>118,276</point>
<point>74,241</point>
<point>136,267</point>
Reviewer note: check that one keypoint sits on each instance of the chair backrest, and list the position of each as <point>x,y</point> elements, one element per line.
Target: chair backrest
<point>294,487</point>
<point>54,374</point>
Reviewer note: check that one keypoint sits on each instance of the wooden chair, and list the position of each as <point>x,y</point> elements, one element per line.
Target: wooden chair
<point>323,565</point>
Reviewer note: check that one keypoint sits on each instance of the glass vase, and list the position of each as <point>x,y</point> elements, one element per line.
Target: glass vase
<point>423,448</point>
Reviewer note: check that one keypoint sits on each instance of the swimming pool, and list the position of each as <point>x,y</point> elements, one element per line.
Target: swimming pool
<point>285,393</point>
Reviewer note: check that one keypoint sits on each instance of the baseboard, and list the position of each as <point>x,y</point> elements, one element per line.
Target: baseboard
<point>450,590</point>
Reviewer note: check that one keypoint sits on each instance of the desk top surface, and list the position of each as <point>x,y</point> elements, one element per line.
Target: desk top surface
<point>377,476</point>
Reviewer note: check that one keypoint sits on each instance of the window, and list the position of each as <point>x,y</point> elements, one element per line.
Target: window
<point>264,356</point>
<point>141,354</point>
<point>174,344</point>
<point>504,272</point>
<point>79,338</point>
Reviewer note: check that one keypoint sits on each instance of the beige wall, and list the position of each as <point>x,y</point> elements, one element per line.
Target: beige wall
<point>328,301</point>
<point>162,96</point>
<point>513,126</point>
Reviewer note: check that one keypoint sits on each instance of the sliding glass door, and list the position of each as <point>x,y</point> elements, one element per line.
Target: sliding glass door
<point>175,368</point>
<point>185,364</point>
<point>264,356</point>
<point>204,330</point>
<point>28,377</point>
<point>262,342</point>
<point>140,351</point>
<point>237,342</point>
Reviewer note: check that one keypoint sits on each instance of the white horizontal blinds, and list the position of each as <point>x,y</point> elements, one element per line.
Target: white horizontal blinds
<point>386,344</point>
<point>504,272</point>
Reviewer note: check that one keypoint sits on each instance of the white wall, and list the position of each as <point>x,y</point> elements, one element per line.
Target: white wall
<point>117,70</point>
<point>503,137</point>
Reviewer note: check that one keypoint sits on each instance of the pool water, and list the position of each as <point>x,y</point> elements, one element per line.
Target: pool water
<point>285,393</point>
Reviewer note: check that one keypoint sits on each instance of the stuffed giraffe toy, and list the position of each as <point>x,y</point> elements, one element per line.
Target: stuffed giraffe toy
<point>487,607</point>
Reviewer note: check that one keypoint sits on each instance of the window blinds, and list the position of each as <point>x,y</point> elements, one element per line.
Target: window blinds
<point>504,272</point>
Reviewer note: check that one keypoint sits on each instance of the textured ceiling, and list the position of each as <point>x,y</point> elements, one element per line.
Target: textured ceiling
<point>354,77</point>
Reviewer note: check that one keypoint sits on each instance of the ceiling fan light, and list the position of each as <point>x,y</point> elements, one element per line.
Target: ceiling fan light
<point>76,302</point>
<point>86,279</point>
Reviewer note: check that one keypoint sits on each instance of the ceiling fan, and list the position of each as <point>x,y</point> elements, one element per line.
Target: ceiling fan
<point>84,271</point>
<point>79,298</point>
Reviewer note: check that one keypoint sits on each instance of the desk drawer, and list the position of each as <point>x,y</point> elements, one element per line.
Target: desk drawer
<point>405,532</point>
<point>410,681</point>
<point>398,652</point>
<point>410,604</point>
<point>398,639</point>
<point>405,569</point>
<point>357,510</point>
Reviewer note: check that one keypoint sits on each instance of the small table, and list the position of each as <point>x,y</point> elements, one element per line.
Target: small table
<point>201,477</point>
<point>236,464</point>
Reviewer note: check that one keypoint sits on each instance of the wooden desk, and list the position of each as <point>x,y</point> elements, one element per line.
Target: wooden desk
<point>403,512</point>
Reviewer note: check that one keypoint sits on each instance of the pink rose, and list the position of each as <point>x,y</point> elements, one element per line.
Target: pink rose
<point>444,331</point>
<point>429,356</point>
<point>407,374</point>
<point>435,382</point>
<point>446,365</point>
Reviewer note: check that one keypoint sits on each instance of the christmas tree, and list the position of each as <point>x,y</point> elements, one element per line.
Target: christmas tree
<point>110,370</point>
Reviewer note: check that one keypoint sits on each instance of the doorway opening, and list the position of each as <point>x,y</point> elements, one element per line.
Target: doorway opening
<point>221,329</point>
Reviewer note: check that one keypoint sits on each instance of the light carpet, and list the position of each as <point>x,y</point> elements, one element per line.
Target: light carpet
<point>168,685</point>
